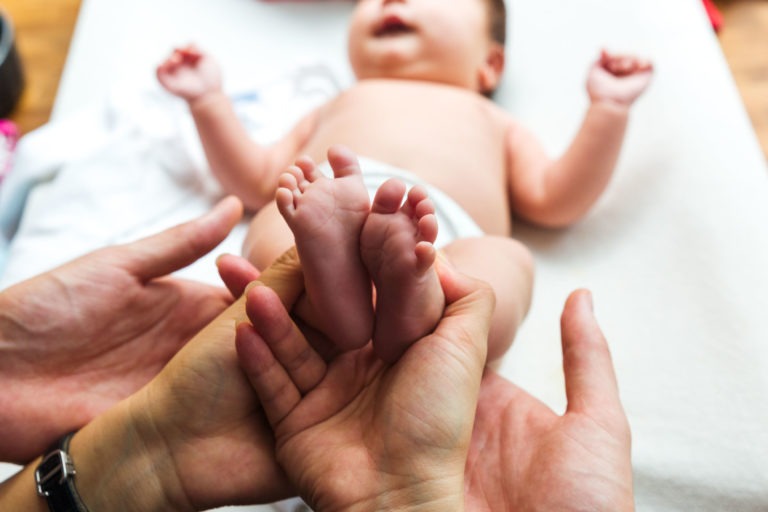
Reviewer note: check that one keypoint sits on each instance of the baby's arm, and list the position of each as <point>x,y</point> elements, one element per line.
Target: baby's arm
<point>559,192</point>
<point>243,167</point>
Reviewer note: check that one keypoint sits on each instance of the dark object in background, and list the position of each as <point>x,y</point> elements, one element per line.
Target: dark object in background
<point>11,74</point>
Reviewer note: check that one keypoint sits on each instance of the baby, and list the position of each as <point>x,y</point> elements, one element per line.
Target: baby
<point>420,113</point>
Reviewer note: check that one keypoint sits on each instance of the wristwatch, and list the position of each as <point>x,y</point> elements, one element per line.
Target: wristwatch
<point>54,478</point>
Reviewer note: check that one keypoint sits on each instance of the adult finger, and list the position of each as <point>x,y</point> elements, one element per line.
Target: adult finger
<point>590,380</point>
<point>277,393</point>
<point>284,276</point>
<point>236,272</point>
<point>467,298</point>
<point>286,342</point>
<point>469,306</point>
<point>181,245</point>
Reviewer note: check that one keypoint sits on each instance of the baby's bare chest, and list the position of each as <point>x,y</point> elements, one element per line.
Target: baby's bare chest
<point>404,116</point>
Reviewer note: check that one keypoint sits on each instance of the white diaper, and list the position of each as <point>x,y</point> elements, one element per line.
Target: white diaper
<point>452,221</point>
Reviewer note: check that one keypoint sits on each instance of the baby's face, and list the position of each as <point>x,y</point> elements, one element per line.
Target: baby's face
<point>435,40</point>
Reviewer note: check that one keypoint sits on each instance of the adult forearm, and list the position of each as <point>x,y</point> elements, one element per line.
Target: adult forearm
<point>120,469</point>
<point>405,494</point>
<point>18,493</point>
<point>115,471</point>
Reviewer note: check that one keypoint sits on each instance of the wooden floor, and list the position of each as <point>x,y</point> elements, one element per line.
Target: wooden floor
<point>744,39</point>
<point>44,29</point>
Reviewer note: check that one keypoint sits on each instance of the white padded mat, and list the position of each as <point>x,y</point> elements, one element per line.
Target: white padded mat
<point>674,252</point>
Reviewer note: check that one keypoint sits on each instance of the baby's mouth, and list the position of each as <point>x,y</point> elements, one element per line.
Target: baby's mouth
<point>392,26</point>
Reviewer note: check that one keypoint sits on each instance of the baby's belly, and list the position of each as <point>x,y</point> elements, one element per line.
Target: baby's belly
<point>484,199</point>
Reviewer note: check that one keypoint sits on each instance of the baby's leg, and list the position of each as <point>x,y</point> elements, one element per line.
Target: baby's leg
<point>507,266</point>
<point>268,237</point>
<point>396,246</point>
<point>326,216</point>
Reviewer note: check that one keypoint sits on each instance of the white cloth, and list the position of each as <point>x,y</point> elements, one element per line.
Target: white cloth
<point>129,168</point>
<point>452,220</point>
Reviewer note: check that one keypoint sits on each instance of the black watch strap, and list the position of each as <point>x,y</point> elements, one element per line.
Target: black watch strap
<point>54,478</point>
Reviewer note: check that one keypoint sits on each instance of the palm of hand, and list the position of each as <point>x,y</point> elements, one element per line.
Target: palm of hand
<point>329,422</point>
<point>376,430</point>
<point>350,431</point>
<point>98,330</point>
<point>550,462</point>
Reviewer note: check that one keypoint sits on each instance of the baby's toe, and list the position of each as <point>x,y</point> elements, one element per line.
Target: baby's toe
<point>428,228</point>
<point>389,196</point>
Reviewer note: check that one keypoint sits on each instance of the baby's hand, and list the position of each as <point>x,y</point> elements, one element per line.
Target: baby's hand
<point>619,79</point>
<point>189,74</point>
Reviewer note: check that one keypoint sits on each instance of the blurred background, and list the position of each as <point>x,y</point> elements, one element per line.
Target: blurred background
<point>44,29</point>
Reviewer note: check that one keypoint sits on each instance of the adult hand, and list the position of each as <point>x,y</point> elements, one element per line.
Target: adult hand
<point>356,433</point>
<point>197,432</point>
<point>81,337</point>
<point>523,456</point>
<point>193,438</point>
<point>620,79</point>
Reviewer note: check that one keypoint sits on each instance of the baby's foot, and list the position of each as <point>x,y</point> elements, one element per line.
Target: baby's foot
<point>396,245</point>
<point>326,216</point>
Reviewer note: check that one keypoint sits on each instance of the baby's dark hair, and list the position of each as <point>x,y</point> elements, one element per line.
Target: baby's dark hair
<point>497,14</point>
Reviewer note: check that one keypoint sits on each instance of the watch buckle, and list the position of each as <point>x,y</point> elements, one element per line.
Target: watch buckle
<point>64,467</point>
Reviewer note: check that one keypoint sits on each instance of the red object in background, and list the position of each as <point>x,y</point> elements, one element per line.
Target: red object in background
<point>9,134</point>
<point>714,15</point>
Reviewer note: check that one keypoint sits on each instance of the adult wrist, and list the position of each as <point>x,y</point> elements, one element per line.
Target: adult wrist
<point>435,495</point>
<point>417,502</point>
<point>120,468</point>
